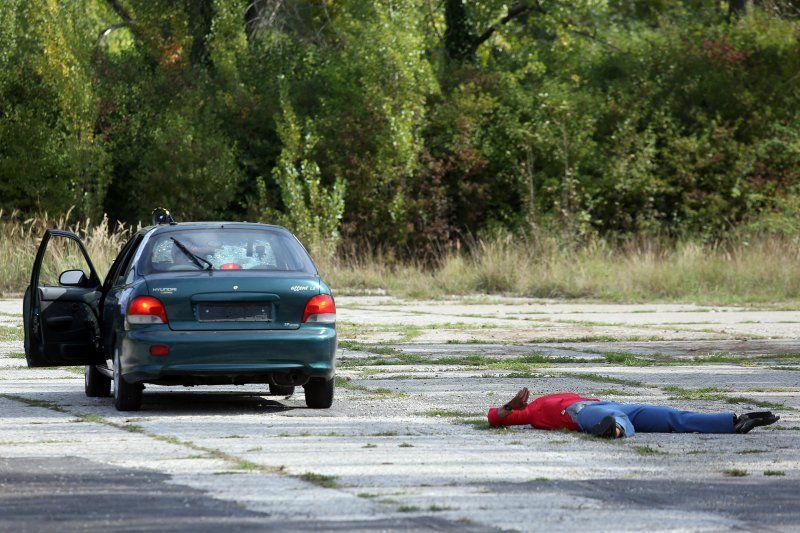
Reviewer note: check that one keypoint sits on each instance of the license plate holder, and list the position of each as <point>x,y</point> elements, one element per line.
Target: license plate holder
<point>234,312</point>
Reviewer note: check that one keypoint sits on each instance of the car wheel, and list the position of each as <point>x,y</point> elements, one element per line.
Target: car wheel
<point>281,390</point>
<point>127,396</point>
<point>319,393</point>
<point>95,383</point>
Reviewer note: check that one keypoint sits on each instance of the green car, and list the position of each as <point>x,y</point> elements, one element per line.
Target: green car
<point>202,303</point>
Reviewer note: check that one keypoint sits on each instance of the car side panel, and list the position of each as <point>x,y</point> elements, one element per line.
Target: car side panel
<point>116,293</point>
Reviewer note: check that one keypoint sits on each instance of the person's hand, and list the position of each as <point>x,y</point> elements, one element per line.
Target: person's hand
<point>519,401</point>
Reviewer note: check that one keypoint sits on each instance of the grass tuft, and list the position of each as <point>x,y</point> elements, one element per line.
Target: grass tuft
<point>714,393</point>
<point>320,480</point>
<point>346,383</point>
<point>446,413</point>
<point>436,508</point>
<point>476,423</point>
<point>626,359</point>
<point>648,450</point>
<point>599,378</point>
<point>248,466</point>
<point>734,472</point>
<point>12,333</point>
<point>370,348</point>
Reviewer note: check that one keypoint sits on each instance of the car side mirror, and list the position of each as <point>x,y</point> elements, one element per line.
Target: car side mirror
<point>73,278</point>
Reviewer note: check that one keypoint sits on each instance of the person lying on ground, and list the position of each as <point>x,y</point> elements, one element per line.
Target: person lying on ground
<point>568,410</point>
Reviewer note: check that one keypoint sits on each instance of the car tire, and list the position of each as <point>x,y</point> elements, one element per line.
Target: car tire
<point>319,393</point>
<point>281,390</point>
<point>127,396</point>
<point>95,383</point>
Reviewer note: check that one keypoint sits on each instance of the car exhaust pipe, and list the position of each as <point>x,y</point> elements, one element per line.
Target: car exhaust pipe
<point>291,379</point>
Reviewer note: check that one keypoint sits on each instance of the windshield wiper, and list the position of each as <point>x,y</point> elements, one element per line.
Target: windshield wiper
<point>195,258</point>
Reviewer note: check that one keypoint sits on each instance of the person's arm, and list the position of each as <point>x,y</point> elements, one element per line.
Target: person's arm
<point>512,413</point>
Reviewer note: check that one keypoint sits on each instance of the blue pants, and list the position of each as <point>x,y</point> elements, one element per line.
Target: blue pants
<point>654,419</point>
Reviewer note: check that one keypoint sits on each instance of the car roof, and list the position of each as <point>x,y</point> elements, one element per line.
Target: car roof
<point>161,228</point>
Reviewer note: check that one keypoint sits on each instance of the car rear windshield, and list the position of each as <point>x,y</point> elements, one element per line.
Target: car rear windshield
<point>225,249</point>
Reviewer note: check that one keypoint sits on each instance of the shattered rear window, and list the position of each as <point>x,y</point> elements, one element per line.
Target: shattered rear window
<point>227,249</point>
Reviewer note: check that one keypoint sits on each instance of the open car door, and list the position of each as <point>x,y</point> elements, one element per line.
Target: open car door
<point>61,310</point>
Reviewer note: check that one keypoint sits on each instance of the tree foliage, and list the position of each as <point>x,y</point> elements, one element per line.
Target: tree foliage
<point>407,123</point>
<point>309,210</point>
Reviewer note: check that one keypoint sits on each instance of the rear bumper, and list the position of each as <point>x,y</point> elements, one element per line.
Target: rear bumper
<point>309,350</point>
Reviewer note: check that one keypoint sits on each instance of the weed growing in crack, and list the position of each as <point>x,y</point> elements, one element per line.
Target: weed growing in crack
<point>715,393</point>
<point>648,450</point>
<point>320,480</point>
<point>612,392</point>
<point>599,378</point>
<point>445,413</point>
<point>437,508</point>
<point>734,472</point>
<point>11,333</point>
<point>369,348</point>
<point>346,383</point>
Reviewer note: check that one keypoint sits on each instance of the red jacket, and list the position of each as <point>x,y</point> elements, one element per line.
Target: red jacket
<point>545,412</point>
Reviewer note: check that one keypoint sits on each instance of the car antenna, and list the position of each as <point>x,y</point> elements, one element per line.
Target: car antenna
<point>161,216</point>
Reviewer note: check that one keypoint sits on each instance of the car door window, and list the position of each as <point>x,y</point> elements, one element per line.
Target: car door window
<point>130,276</point>
<point>61,255</point>
<point>118,273</point>
<point>125,275</point>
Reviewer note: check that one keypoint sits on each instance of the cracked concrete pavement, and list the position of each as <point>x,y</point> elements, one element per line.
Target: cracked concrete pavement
<point>405,446</point>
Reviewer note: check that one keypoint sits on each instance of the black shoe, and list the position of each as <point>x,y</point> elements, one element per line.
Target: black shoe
<point>759,414</point>
<point>748,421</point>
<point>606,428</point>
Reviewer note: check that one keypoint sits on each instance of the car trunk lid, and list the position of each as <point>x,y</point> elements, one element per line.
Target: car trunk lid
<point>233,300</point>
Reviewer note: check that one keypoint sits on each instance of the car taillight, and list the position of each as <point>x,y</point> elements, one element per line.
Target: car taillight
<point>146,310</point>
<point>321,309</point>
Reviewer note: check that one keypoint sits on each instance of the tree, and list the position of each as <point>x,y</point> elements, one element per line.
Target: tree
<point>311,212</point>
<point>461,42</point>
<point>50,157</point>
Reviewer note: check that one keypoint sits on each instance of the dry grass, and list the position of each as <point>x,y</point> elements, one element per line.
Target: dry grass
<point>20,239</point>
<point>763,270</point>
